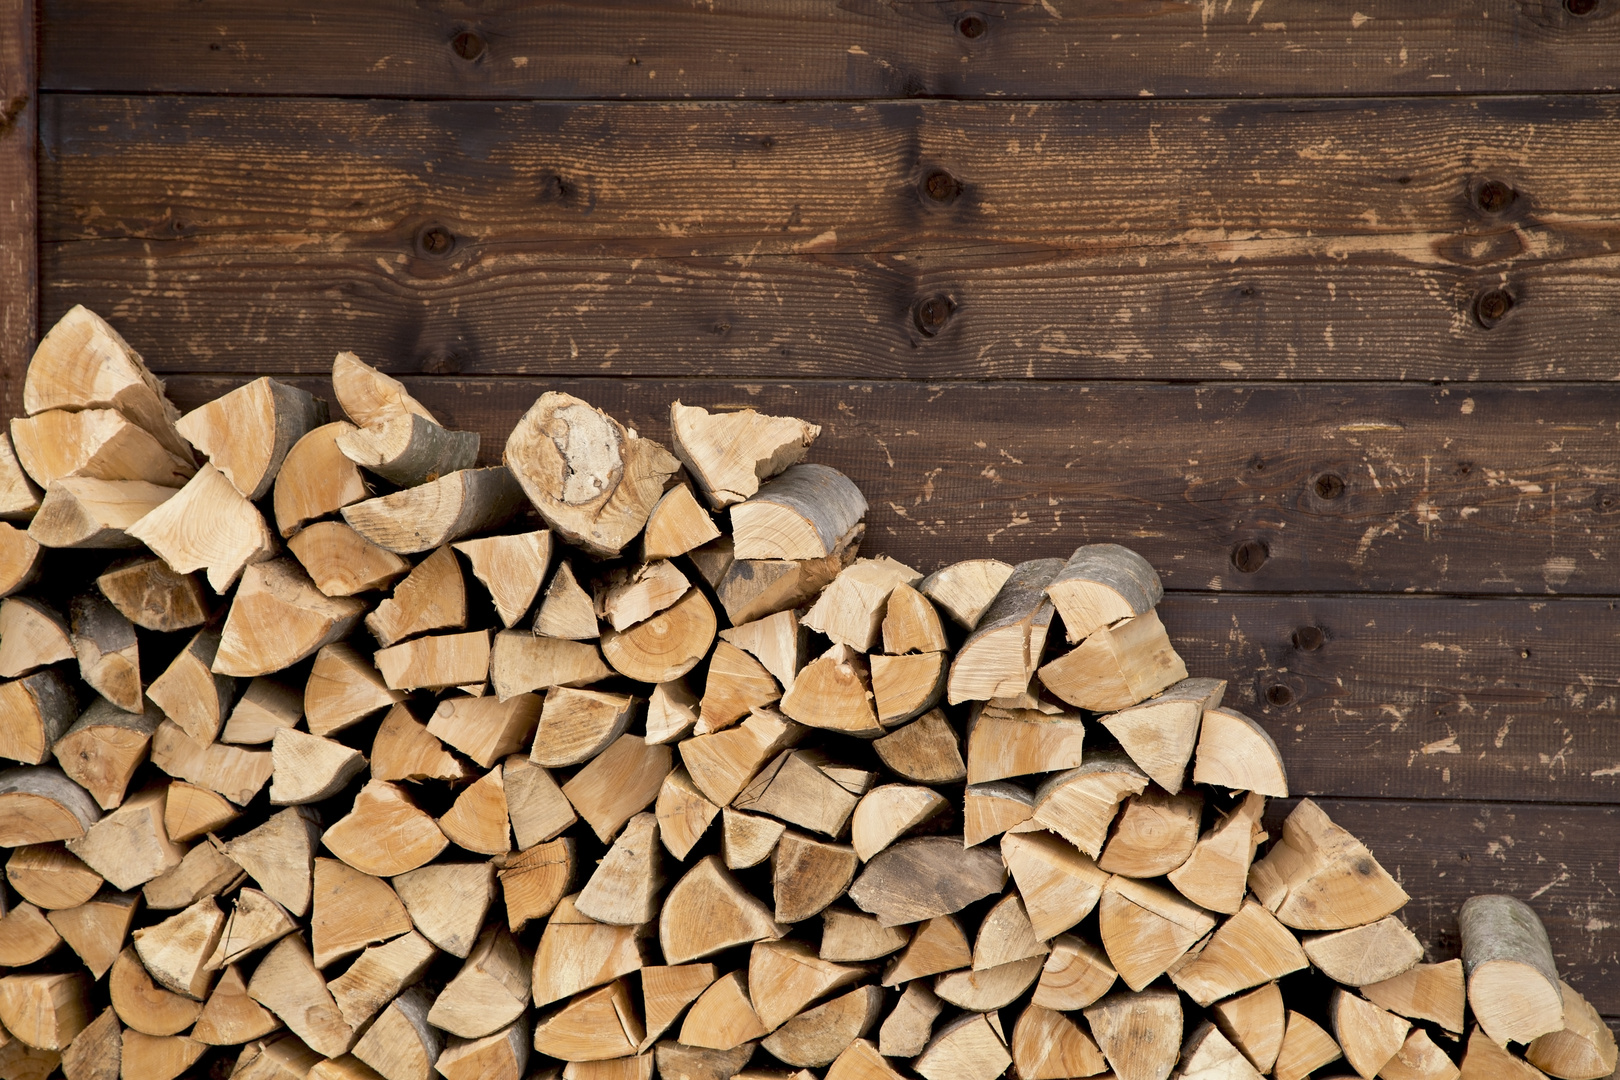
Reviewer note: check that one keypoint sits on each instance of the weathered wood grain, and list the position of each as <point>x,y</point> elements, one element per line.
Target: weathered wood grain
<point>1378,488</point>
<point>1559,860</point>
<point>1230,240</point>
<point>859,48</point>
<point>19,250</point>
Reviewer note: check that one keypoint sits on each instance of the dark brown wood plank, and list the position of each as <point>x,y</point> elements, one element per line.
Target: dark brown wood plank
<point>858,48</point>
<point>1559,860</point>
<point>1475,490</point>
<point>1246,240</point>
<point>19,249</point>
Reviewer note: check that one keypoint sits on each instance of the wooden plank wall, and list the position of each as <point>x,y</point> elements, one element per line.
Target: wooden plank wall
<point>1313,303</point>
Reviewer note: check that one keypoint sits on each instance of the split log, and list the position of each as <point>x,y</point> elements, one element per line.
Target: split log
<point>234,772</point>
<point>1365,954</point>
<point>384,834</point>
<point>278,618</point>
<point>1160,733</point>
<point>128,846</point>
<point>400,1044</point>
<point>49,876</point>
<point>378,975</point>
<point>36,713</point>
<point>1250,948</point>
<point>1001,654</point>
<point>675,1061</point>
<point>672,712</point>
<point>207,526</point>
<point>511,568</point>
<point>1215,875</point>
<point>1079,804</point>
<point>1305,1048</point>
<point>592,480</point>
<point>32,636</point>
<point>1432,992</point>
<point>904,687</point>
<point>39,804</point>
<point>489,992</point>
<point>577,953</point>
<point>629,596</point>
<point>45,1011</point>
<point>1154,834</point>
<point>1368,1036</point>
<point>784,977</point>
<point>1047,1045</point>
<point>911,623</point>
<point>534,880</point>
<point>1583,1050</point>
<point>341,562</point>
<point>438,512</point>
<point>1235,752</point>
<point>287,983</point>
<point>926,876</point>
<point>316,479</point>
<point>501,1056</point>
<point>1319,877</point>
<point>19,498</point>
<point>666,991</point>
<point>101,444</point>
<point>965,590</point>
<point>595,1026</point>
<point>230,1017</point>
<point>750,589</point>
<point>1485,1060</point>
<point>255,921</point>
<point>487,729</point>
<point>707,912</point>
<point>82,512</point>
<point>477,821</point>
<point>205,872</point>
<point>684,813</point>
<point>618,784</point>
<point>1420,1059</point>
<point>834,692</point>
<point>639,1067</point>
<point>937,945</point>
<point>796,788</point>
<point>247,432</point>
<point>850,610</point>
<point>285,1057</point>
<point>350,911</point>
<point>190,694</point>
<point>408,449</point>
<point>344,688</point>
<point>623,890</point>
<point>521,662</point>
<point>801,514</point>
<point>367,395</point>
<point>1139,1033</point>
<point>280,856</point>
<point>1209,1055</point>
<point>1255,1023</point>
<point>435,662</point>
<point>722,1017</point>
<point>808,874</point>
<point>1100,585</point>
<point>96,1053</point>
<point>26,936</point>
<point>404,750</point>
<point>736,684</point>
<point>108,651</point>
<point>577,725</point>
<point>1075,975</point>
<point>432,597</point>
<point>143,1005</point>
<point>568,612</point>
<point>1005,936</point>
<point>676,525</point>
<point>728,454</point>
<point>536,806</point>
<point>859,1061</point>
<point>447,902</point>
<point>175,950</point>
<point>968,1048</point>
<point>887,813</point>
<point>1016,742</point>
<point>666,646</point>
<point>1512,977</point>
<point>777,641</point>
<point>926,750</point>
<point>21,558</point>
<point>748,839</point>
<point>144,1057</point>
<point>1116,667</point>
<point>818,1036</point>
<point>909,1026</point>
<point>1058,883</point>
<point>1147,928</point>
<point>154,597</point>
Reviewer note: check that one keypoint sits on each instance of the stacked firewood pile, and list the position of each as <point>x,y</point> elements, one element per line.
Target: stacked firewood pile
<point>341,756</point>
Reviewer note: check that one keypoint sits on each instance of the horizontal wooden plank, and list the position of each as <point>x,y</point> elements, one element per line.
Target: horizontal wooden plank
<point>858,48</point>
<point>1559,860</point>
<point>1232,240</point>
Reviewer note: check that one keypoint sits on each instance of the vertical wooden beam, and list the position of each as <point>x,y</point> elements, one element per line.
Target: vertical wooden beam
<point>19,240</point>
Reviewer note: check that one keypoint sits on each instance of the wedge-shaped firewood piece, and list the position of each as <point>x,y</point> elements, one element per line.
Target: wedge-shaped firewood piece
<point>231,1017</point>
<point>736,684</point>
<point>21,559</point>
<point>408,449</point>
<point>405,750</point>
<point>490,992</point>
<point>1139,1033</point>
<point>96,929</point>
<point>911,623</point>
<point>1209,1055</point>
<point>280,856</point>
<point>447,902</point>
<point>1017,742</point>
<point>1235,752</point>
<point>666,991</point>
<point>676,525</point>
<point>1058,883</point>
<point>1161,732</point>
<point>1368,1035</point>
<point>707,911</point>
<point>938,944</point>
<point>288,984</point>
<point>536,806</point>
<point>435,662</point>
<point>32,636</point>
<point>965,590</point>
<point>511,567</point>
<point>205,872</point>
<point>577,725</point>
<point>859,1061</point>
<point>722,1017</point>
<point>486,729</point>
<point>316,479</point>
<point>19,498</point>
<point>665,646</point>
<point>1420,1059</point>
<point>49,876</point>
<point>1146,928</point>
<point>247,433</point>
<point>477,821</point>
<point>968,1048</point>
<point>1583,1050</point>
<point>729,454</point>
<point>887,813</point>
<point>101,444</point>
<point>1006,936</point>
<point>672,712</point>
<point>232,771</point>
<point>817,1036</point>
<point>577,953</point>
<point>1047,1045</point>
<point>1100,585</point>
<point>795,789</point>
<point>207,526</point>
<point>400,1044</point>
<point>1319,877</point>
<point>1485,1060</point>
<point>1365,954</point>
<point>39,804</point>
<point>1001,654</point>
<point>595,1026</point>
<point>1512,977</point>
<point>1116,667</point>
<point>904,687</point>
<point>175,950</point>
<point>36,712</point>
<point>45,1011</point>
<point>750,589</point>
<point>255,921</point>
<point>154,597</point>
<point>344,688</point>
<point>142,1004</point>
<point>748,839</point>
<point>351,910</point>
<point>26,936</point>
<point>619,783</point>
<point>151,1058</point>
<point>1215,875</point>
<point>807,875</point>
<point>108,652</point>
<point>786,976</point>
<point>190,694</point>
<point>630,596</point>
<point>1079,805</point>
<point>850,611</point>
<point>129,846</point>
<point>82,512</point>
<point>567,611</point>
<point>378,975</point>
<point>96,1053</point>
<point>432,597</point>
<point>500,1056</point>
<point>1154,834</point>
<point>521,662</point>
<point>341,562</point>
<point>438,512</point>
<point>284,1056</point>
<point>1255,1024</point>
<point>799,515</point>
<point>534,880</point>
<point>1432,992</point>
<point>1250,948</point>
<point>834,692</point>
<point>641,1066</point>
<point>925,876</point>
<point>684,813</point>
<point>101,751</point>
<point>623,890</point>
<point>909,1026</point>
<point>384,834</point>
<point>926,750</point>
<point>278,618</point>
<point>722,764</point>
<point>367,395</point>
<point>1075,975</point>
<point>990,989</point>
